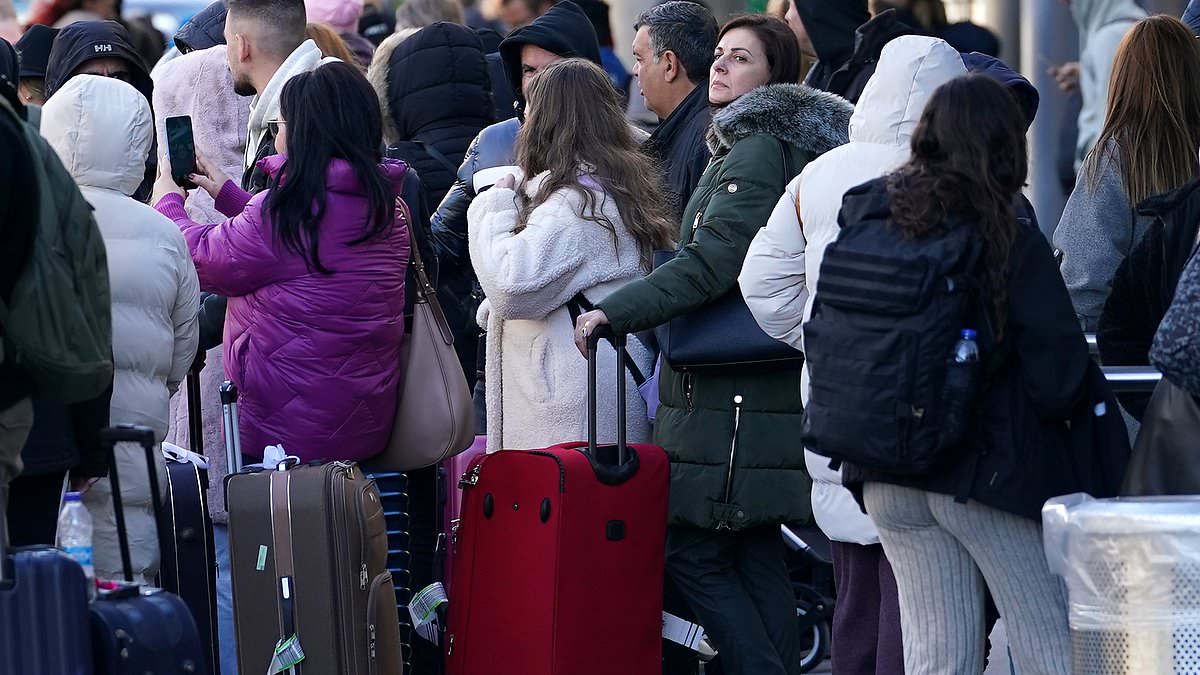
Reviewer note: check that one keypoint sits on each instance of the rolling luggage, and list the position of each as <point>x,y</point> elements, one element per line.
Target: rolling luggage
<point>43,613</point>
<point>450,500</point>
<point>309,552</point>
<point>189,561</point>
<point>137,630</point>
<point>558,568</point>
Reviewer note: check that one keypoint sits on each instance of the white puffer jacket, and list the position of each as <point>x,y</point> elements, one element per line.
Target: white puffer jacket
<point>779,277</point>
<point>536,378</point>
<point>101,128</point>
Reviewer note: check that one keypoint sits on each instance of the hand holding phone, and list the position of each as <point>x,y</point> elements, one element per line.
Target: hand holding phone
<point>181,150</point>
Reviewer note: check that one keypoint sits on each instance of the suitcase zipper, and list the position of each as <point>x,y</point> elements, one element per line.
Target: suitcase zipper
<point>470,478</point>
<point>362,531</point>
<point>562,474</point>
<point>737,423</point>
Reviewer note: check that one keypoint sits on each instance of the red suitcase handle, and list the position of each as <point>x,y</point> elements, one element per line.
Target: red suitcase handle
<point>618,342</point>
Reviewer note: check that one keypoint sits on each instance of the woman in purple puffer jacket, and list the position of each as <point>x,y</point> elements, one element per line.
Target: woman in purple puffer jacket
<point>314,270</point>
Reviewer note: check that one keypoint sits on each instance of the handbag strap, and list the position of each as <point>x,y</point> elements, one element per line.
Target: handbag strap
<point>580,304</point>
<point>426,293</point>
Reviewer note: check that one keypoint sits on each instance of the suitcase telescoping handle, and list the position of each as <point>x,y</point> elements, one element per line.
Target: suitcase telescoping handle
<point>195,418</point>
<point>618,342</point>
<point>233,442</point>
<point>144,436</point>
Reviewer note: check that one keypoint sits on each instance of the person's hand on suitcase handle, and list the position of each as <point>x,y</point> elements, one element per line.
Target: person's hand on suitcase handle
<point>589,325</point>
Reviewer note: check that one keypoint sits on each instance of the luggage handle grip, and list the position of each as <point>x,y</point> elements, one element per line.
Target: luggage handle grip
<point>129,433</point>
<point>606,332</point>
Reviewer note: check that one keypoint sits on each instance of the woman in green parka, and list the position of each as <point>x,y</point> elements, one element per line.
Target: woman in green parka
<point>728,556</point>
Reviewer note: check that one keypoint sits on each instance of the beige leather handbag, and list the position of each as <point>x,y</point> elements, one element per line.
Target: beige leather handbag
<point>435,418</point>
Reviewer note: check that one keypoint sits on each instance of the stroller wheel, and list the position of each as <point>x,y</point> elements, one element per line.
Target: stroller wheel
<point>814,643</point>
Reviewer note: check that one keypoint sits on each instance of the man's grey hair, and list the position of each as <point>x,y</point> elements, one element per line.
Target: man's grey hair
<point>686,28</point>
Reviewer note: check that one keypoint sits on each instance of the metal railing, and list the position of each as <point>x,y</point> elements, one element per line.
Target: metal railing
<point>1132,379</point>
<point>1125,379</point>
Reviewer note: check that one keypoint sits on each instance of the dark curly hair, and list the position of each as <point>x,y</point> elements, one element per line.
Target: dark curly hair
<point>968,163</point>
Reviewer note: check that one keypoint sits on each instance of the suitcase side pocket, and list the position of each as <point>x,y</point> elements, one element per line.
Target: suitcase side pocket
<point>383,628</point>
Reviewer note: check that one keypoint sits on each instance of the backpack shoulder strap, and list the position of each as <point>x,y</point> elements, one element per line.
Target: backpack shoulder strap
<point>439,157</point>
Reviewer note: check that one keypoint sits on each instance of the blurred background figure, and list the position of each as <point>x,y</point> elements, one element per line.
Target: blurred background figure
<point>343,17</point>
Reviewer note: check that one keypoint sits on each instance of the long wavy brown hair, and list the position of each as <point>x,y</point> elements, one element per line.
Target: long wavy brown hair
<point>968,163</point>
<point>574,125</point>
<point>1153,120</point>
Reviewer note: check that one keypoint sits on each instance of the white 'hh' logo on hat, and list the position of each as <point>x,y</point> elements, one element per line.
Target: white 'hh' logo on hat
<point>102,48</point>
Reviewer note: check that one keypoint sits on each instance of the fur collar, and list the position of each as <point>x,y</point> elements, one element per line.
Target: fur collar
<point>813,121</point>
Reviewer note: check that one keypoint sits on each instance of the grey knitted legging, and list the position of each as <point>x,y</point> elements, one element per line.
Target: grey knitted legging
<point>943,553</point>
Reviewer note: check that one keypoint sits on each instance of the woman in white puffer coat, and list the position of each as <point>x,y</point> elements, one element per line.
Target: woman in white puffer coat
<point>779,281</point>
<point>101,129</point>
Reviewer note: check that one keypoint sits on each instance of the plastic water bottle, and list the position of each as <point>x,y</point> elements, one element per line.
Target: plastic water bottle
<point>75,536</point>
<point>959,389</point>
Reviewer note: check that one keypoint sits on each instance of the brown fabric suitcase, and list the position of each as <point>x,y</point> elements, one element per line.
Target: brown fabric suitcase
<point>309,558</point>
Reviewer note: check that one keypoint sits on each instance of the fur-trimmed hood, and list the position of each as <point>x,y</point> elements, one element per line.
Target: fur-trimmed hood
<point>812,120</point>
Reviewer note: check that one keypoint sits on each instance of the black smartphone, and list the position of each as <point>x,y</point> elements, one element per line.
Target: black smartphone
<point>181,150</point>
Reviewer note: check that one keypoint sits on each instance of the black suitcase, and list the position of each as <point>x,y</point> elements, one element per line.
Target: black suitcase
<point>43,613</point>
<point>189,561</point>
<point>138,630</point>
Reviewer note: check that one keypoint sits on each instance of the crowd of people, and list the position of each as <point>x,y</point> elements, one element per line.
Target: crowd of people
<point>333,141</point>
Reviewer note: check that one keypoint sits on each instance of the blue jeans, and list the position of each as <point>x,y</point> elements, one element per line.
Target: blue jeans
<point>225,630</point>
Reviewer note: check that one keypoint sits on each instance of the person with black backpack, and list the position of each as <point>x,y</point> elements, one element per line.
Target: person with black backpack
<point>945,361</point>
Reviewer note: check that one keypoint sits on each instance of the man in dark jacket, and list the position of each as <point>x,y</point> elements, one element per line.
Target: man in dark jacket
<point>96,48</point>
<point>562,32</point>
<point>17,231</point>
<point>47,438</point>
<point>102,48</point>
<point>673,51</point>
<point>845,40</point>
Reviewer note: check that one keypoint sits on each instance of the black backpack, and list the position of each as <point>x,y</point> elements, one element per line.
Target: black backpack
<point>887,314</point>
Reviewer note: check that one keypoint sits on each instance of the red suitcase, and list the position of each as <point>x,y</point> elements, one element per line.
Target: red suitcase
<point>559,561</point>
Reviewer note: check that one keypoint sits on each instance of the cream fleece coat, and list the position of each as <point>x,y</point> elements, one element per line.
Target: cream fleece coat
<point>101,129</point>
<point>537,380</point>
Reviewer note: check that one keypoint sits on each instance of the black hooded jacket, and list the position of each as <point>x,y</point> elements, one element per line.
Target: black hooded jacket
<point>204,30</point>
<point>1145,283</point>
<point>564,30</point>
<point>86,41</point>
<point>436,96</point>
<point>847,43</point>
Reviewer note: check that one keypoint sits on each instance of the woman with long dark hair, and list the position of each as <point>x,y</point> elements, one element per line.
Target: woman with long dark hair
<point>582,221</point>
<point>314,270</point>
<point>974,517</point>
<point>1146,147</point>
<point>737,467</point>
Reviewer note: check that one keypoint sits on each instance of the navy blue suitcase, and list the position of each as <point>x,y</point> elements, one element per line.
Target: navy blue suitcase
<point>189,560</point>
<point>141,630</point>
<point>43,613</point>
<point>189,563</point>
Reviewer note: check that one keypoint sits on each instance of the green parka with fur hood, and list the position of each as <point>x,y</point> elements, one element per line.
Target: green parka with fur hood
<point>759,143</point>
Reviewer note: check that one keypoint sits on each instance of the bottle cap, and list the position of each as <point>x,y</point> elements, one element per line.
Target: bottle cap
<point>73,497</point>
<point>968,334</point>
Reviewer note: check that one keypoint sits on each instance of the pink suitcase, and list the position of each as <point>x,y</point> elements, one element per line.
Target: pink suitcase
<point>449,473</point>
